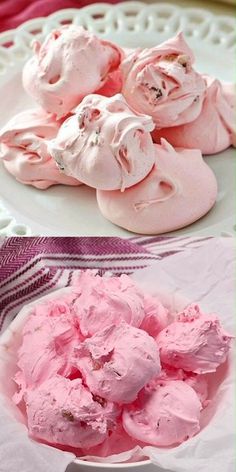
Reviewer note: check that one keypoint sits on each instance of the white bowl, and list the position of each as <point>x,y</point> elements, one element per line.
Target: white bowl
<point>143,466</point>
<point>9,344</point>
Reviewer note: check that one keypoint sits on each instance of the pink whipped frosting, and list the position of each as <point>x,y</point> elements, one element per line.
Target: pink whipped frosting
<point>196,342</point>
<point>165,416</point>
<point>118,361</point>
<point>52,331</point>
<point>107,392</point>
<point>162,83</point>
<point>70,64</point>
<point>179,190</point>
<point>105,144</point>
<point>110,300</point>
<point>64,412</point>
<point>23,149</point>
<point>218,113</point>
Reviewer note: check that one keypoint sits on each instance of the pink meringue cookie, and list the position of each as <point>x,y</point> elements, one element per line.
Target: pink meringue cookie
<point>48,339</point>
<point>218,112</point>
<point>179,190</point>
<point>165,416</point>
<point>105,144</point>
<point>106,301</point>
<point>196,342</point>
<point>70,64</point>
<point>117,362</point>
<point>23,142</point>
<point>63,412</point>
<point>162,83</point>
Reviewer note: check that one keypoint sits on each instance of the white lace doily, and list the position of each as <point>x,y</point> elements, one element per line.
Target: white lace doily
<point>129,24</point>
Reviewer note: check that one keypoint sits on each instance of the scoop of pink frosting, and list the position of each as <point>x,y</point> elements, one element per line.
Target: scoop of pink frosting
<point>165,416</point>
<point>53,331</point>
<point>24,152</point>
<point>218,112</point>
<point>105,144</point>
<point>162,83</point>
<point>70,64</point>
<point>196,342</point>
<point>63,412</point>
<point>118,361</point>
<point>108,300</point>
<point>179,190</point>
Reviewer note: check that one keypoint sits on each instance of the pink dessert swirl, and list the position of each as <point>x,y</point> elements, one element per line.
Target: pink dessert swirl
<point>105,144</point>
<point>162,83</point>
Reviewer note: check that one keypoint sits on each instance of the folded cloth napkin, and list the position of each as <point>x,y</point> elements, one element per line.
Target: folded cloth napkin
<point>15,12</point>
<point>32,267</point>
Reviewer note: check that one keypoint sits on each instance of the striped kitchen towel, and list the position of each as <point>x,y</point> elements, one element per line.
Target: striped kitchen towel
<point>35,266</point>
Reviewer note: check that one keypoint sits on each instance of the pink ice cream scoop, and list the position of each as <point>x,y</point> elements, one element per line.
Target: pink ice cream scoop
<point>218,111</point>
<point>48,339</point>
<point>105,144</point>
<point>118,361</point>
<point>179,190</point>
<point>23,149</point>
<point>196,342</point>
<point>70,64</point>
<point>165,416</point>
<point>108,300</point>
<point>162,83</point>
<point>63,412</point>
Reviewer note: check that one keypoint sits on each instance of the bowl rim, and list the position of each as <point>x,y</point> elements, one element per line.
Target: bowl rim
<point>114,465</point>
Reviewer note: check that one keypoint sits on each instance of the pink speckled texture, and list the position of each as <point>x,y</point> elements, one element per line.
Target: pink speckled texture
<point>180,189</point>
<point>105,144</point>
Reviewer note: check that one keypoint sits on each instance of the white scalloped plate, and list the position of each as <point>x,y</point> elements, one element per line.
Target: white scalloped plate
<point>73,211</point>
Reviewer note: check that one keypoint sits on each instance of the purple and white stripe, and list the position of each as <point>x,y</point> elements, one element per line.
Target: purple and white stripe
<point>33,267</point>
